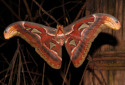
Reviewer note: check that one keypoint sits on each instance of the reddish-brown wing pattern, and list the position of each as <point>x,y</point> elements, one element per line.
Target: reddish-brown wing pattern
<point>80,35</point>
<point>41,37</point>
<point>77,37</point>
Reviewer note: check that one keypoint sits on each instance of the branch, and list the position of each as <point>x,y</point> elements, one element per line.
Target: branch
<point>67,70</point>
<point>11,10</point>
<point>28,10</point>
<point>45,12</point>
<point>79,13</point>
<point>63,7</point>
<point>57,7</point>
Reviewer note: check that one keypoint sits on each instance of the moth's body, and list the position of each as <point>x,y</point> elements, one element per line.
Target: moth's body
<point>60,35</point>
<point>77,37</point>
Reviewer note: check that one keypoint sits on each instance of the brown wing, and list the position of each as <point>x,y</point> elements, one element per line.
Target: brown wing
<point>80,35</point>
<point>41,37</point>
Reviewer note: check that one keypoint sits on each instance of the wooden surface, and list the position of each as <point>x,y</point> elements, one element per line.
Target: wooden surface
<point>108,64</point>
<point>115,8</point>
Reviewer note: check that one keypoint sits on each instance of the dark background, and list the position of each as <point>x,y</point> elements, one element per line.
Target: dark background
<point>65,12</point>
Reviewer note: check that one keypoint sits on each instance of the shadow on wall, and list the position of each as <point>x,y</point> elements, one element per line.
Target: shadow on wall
<point>102,39</point>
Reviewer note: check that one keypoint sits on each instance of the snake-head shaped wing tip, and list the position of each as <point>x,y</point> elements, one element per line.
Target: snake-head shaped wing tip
<point>109,20</point>
<point>12,30</point>
<point>9,32</point>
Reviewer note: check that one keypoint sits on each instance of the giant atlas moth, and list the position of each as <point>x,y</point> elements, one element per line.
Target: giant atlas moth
<point>77,37</point>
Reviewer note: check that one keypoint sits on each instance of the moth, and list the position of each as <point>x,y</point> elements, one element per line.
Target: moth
<point>77,37</point>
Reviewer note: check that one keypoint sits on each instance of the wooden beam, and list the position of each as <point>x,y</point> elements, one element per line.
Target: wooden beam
<point>108,61</point>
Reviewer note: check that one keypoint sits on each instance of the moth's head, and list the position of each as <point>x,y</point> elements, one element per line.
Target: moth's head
<point>59,30</point>
<point>110,21</point>
<point>10,31</point>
